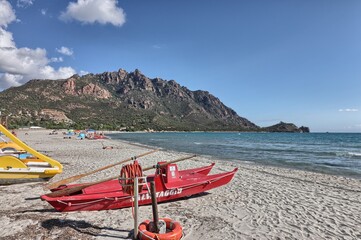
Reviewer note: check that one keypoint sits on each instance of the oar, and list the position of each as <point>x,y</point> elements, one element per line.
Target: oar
<point>74,178</point>
<point>68,191</point>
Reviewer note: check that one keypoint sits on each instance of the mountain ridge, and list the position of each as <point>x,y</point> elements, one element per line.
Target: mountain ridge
<point>119,100</point>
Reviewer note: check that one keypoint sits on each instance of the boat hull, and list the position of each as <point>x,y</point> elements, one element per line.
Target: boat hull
<point>14,170</point>
<point>109,195</point>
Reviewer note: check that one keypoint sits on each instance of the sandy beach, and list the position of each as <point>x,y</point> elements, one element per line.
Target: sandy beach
<point>260,202</point>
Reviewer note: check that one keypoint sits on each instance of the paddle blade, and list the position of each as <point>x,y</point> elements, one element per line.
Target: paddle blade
<point>65,181</point>
<point>67,191</point>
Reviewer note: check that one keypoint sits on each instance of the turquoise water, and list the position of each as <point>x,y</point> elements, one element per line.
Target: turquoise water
<point>332,153</point>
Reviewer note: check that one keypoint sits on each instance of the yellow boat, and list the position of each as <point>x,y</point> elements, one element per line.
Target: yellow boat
<point>10,147</point>
<point>16,170</point>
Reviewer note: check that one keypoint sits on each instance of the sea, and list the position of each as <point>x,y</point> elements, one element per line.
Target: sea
<point>330,153</point>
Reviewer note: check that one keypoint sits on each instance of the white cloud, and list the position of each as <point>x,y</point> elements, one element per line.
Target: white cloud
<point>348,110</point>
<point>7,14</point>
<point>82,73</point>
<point>66,51</point>
<point>156,46</point>
<point>6,39</point>
<point>21,60</point>
<point>43,11</point>
<point>48,72</point>
<point>55,59</point>
<point>22,64</point>
<point>24,3</point>
<point>8,80</point>
<point>92,11</point>
<point>18,65</point>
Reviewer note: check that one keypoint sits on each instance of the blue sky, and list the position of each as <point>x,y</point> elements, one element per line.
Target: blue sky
<point>293,61</point>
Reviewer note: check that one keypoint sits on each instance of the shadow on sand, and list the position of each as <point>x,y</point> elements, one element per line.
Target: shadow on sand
<point>83,227</point>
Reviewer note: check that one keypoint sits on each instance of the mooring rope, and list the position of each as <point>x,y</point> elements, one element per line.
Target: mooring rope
<point>127,175</point>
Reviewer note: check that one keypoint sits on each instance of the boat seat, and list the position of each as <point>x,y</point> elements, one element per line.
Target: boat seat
<point>38,164</point>
<point>172,173</point>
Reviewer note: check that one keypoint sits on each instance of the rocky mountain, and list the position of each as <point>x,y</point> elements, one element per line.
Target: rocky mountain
<point>118,100</point>
<point>286,127</point>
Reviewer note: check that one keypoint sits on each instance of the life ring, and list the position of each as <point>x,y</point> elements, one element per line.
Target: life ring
<point>174,231</point>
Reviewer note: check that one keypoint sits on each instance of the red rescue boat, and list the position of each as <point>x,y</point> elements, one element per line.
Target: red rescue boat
<point>170,184</point>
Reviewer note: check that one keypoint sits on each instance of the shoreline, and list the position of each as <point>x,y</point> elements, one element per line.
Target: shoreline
<point>261,202</point>
<point>297,166</point>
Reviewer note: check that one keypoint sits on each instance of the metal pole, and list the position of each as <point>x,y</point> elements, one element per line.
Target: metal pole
<point>135,208</point>
<point>154,206</point>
